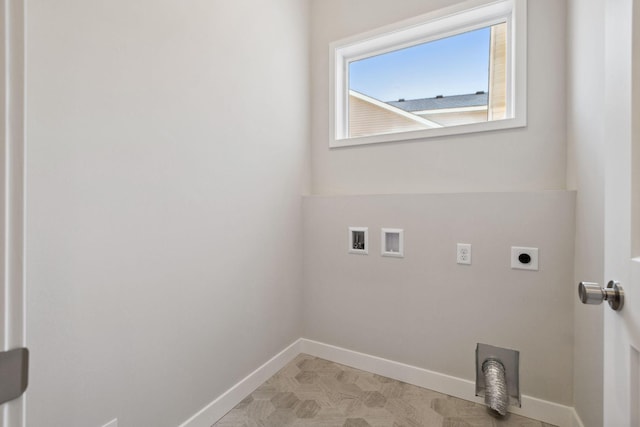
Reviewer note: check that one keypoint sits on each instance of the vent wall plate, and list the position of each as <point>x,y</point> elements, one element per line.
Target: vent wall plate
<point>510,359</point>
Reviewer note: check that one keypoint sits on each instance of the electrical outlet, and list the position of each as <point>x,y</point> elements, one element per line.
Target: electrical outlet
<point>524,258</point>
<point>464,253</point>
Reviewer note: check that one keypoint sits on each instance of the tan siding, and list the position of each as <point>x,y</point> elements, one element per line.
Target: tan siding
<point>454,119</point>
<point>498,73</point>
<point>369,119</point>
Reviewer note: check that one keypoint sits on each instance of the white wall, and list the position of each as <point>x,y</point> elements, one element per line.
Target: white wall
<point>513,160</point>
<point>585,136</point>
<point>424,309</point>
<point>164,212</point>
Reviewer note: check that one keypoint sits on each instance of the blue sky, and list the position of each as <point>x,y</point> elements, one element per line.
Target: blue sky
<point>452,66</point>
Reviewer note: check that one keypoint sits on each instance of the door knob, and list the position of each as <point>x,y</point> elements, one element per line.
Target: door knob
<point>592,293</point>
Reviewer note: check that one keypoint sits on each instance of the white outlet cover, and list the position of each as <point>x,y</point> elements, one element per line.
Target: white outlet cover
<point>463,253</point>
<point>520,252</point>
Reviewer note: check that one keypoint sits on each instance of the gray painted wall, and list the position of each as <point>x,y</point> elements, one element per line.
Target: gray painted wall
<point>425,310</point>
<point>586,145</point>
<point>521,160</point>
<point>164,213</point>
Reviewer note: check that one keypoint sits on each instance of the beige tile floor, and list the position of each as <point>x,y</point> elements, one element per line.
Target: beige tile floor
<point>313,392</point>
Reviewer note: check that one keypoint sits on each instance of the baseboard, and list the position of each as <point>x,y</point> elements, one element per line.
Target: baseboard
<point>225,402</point>
<point>548,412</point>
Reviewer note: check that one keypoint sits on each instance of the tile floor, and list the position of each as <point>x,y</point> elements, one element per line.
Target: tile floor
<point>313,392</point>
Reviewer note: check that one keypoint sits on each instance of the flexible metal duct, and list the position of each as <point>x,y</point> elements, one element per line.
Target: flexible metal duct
<point>496,395</point>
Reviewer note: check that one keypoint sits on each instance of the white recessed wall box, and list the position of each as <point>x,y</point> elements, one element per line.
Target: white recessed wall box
<point>392,240</point>
<point>359,240</point>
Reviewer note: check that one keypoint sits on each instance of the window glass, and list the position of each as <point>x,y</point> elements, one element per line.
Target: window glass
<point>457,80</point>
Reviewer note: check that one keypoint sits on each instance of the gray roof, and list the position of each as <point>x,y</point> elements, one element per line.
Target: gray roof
<point>438,103</point>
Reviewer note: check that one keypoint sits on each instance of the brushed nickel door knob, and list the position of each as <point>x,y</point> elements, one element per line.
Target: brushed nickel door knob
<point>592,293</point>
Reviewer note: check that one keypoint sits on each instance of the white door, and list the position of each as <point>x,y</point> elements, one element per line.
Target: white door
<point>622,212</point>
<point>12,334</point>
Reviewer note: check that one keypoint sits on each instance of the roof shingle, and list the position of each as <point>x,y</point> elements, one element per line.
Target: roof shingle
<point>439,103</point>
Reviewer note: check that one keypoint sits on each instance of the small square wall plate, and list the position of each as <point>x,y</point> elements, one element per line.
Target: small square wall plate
<point>359,240</point>
<point>392,242</point>
<point>524,258</point>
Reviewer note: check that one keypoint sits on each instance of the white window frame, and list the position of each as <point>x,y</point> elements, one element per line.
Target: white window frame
<point>463,17</point>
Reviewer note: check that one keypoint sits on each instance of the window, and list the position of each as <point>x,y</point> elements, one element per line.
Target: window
<point>457,70</point>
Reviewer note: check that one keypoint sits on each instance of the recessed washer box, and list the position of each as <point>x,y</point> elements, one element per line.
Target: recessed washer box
<point>359,240</point>
<point>523,258</point>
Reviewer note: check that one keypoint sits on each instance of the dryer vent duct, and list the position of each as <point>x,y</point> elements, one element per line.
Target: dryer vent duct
<point>497,377</point>
<point>495,395</point>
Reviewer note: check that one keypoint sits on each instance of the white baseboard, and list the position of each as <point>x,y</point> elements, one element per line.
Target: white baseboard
<point>225,402</point>
<point>549,412</point>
